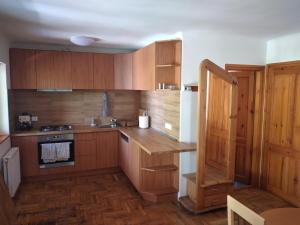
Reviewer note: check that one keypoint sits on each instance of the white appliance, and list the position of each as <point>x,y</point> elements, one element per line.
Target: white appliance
<point>12,172</point>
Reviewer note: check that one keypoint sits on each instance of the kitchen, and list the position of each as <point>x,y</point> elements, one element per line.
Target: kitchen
<point>87,119</point>
<point>142,119</point>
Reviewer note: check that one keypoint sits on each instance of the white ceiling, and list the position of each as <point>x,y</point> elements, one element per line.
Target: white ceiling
<point>134,23</point>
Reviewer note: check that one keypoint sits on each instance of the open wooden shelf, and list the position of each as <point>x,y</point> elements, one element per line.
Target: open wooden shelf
<point>213,176</point>
<point>160,195</point>
<point>160,168</point>
<point>190,176</point>
<point>162,191</point>
<point>166,65</point>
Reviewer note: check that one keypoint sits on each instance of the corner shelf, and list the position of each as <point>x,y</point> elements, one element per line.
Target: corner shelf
<point>167,65</point>
<point>160,168</point>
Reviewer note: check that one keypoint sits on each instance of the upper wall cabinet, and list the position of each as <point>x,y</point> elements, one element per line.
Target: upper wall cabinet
<point>157,63</point>
<point>82,70</point>
<point>103,71</point>
<point>22,69</point>
<point>123,71</point>
<point>144,68</point>
<point>53,69</point>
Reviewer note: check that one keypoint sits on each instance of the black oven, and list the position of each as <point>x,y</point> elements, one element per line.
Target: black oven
<point>50,142</point>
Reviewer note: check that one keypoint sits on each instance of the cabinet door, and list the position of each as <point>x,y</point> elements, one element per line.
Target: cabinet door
<point>123,71</point>
<point>22,69</point>
<point>107,149</point>
<point>103,71</point>
<point>85,152</point>
<point>53,70</point>
<point>134,164</point>
<point>124,153</point>
<point>28,155</point>
<point>82,70</point>
<point>144,68</point>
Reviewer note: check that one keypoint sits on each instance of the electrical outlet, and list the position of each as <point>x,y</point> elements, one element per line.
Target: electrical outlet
<point>168,126</point>
<point>34,119</point>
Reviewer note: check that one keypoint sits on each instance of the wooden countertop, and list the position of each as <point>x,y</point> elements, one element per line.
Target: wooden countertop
<point>150,140</point>
<point>75,130</point>
<point>154,142</point>
<point>3,137</point>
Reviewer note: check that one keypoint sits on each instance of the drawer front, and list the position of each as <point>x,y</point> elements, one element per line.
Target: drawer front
<point>215,190</point>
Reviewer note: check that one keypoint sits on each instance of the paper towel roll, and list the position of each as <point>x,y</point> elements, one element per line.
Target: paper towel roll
<point>143,121</point>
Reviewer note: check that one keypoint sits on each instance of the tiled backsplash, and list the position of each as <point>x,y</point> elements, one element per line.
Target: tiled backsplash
<point>76,108</point>
<point>163,107</point>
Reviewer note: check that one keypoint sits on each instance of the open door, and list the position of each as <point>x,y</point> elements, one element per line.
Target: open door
<point>245,121</point>
<point>250,90</point>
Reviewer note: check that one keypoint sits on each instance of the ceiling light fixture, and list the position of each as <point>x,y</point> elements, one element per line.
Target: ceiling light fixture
<point>83,40</point>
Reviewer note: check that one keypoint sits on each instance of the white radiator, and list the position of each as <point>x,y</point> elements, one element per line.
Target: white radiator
<point>12,173</point>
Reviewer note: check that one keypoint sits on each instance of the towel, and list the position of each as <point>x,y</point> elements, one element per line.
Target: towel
<point>62,151</point>
<point>48,153</point>
<point>53,152</point>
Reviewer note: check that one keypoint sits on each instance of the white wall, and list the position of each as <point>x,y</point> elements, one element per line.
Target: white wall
<point>283,49</point>
<point>4,54</point>
<point>221,48</point>
<point>4,82</point>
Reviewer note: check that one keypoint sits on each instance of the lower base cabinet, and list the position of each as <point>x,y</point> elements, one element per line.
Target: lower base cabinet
<point>107,149</point>
<point>154,176</point>
<point>85,151</point>
<point>98,150</point>
<point>28,155</point>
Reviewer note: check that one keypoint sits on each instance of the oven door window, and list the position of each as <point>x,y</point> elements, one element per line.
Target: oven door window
<point>56,153</point>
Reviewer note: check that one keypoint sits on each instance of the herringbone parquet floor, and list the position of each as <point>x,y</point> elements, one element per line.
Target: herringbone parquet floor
<point>107,199</point>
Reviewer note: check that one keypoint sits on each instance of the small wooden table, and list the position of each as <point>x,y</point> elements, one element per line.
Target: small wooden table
<point>282,216</point>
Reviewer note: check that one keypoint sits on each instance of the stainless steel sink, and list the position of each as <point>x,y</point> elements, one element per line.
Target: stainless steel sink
<point>106,126</point>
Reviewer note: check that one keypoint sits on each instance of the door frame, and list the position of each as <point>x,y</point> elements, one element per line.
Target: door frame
<point>258,127</point>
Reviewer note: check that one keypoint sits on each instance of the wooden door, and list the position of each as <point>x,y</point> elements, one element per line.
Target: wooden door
<point>218,122</point>
<point>282,132</point>
<point>22,69</point>
<point>245,122</point>
<point>103,71</point>
<point>82,70</point>
<point>107,149</point>
<point>144,68</point>
<point>53,70</point>
<point>123,71</point>
<point>85,152</point>
<point>28,155</point>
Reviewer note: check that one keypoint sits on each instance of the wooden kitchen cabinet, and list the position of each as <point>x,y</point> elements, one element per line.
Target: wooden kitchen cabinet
<point>22,68</point>
<point>159,62</point>
<point>85,151</point>
<point>123,71</point>
<point>129,159</point>
<point>28,155</point>
<point>134,164</point>
<point>124,160</point>
<point>103,65</point>
<point>107,149</point>
<point>82,70</point>
<point>144,68</point>
<point>53,69</point>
